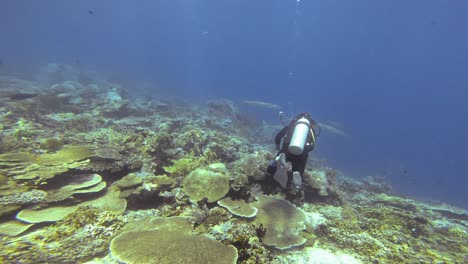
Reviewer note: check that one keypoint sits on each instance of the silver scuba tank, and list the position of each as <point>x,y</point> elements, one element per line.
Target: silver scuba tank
<point>299,137</point>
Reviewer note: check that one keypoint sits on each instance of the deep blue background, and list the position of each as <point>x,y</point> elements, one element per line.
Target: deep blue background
<point>394,73</point>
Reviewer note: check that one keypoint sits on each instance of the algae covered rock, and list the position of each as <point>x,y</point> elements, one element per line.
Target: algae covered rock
<point>170,246</point>
<point>211,183</point>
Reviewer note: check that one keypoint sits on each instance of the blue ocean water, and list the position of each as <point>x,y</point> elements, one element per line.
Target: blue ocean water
<point>392,73</point>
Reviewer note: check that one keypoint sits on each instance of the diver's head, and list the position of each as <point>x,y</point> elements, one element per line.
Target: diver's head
<point>303,115</point>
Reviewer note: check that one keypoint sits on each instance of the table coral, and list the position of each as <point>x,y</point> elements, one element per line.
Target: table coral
<point>282,220</point>
<point>25,166</point>
<point>170,246</point>
<point>13,228</point>
<point>238,207</point>
<point>81,183</point>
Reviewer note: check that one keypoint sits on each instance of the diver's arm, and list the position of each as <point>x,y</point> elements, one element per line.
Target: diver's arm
<point>279,136</point>
<point>310,144</point>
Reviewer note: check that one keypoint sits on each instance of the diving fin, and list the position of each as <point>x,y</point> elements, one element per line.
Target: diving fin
<point>281,174</point>
<point>297,180</point>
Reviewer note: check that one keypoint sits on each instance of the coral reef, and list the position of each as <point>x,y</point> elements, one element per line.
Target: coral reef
<point>83,162</point>
<point>76,238</point>
<point>26,166</point>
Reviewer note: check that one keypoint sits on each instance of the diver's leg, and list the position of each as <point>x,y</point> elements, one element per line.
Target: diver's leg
<point>300,164</point>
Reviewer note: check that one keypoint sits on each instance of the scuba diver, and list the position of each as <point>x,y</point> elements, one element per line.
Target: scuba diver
<point>299,139</point>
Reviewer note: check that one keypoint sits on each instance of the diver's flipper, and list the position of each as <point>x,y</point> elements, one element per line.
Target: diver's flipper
<point>297,180</point>
<point>281,174</point>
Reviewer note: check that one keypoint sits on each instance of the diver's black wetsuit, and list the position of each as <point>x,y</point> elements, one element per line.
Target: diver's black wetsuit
<point>298,161</point>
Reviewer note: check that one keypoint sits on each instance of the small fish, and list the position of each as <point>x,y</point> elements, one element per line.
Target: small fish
<point>90,11</point>
<point>22,96</point>
<point>262,104</point>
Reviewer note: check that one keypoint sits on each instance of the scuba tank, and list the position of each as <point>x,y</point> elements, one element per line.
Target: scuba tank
<point>299,137</point>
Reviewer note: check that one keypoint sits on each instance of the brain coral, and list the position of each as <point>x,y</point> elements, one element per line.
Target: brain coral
<point>170,246</point>
<point>211,183</point>
<point>282,220</point>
